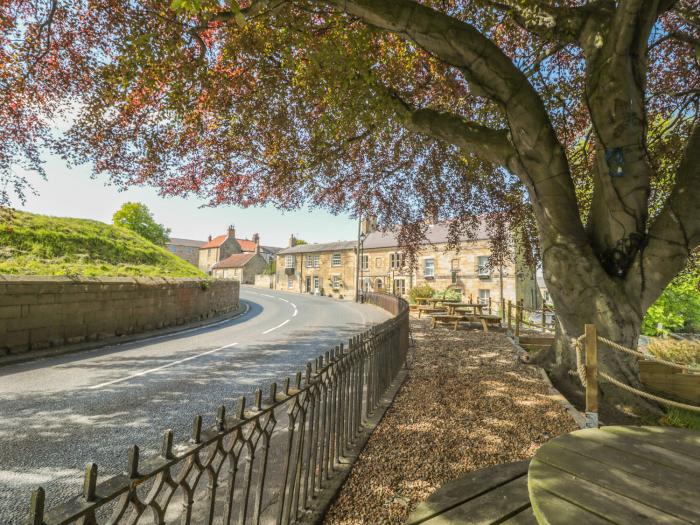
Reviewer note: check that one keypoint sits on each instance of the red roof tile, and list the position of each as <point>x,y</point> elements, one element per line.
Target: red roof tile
<point>215,242</point>
<point>237,260</point>
<point>246,245</point>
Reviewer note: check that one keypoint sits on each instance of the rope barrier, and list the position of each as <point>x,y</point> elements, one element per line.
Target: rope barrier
<point>581,372</point>
<point>637,353</point>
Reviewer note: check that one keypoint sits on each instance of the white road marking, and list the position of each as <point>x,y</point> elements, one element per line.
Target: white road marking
<point>295,309</point>
<point>276,327</point>
<point>266,295</point>
<point>282,299</point>
<point>144,372</point>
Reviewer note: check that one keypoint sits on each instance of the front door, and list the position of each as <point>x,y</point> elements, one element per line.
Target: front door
<point>308,284</point>
<point>316,287</point>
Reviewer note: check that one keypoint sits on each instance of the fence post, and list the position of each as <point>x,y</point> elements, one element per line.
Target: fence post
<point>36,508</point>
<point>518,317</point>
<point>510,315</point>
<point>489,305</point>
<point>591,377</point>
<point>544,313</point>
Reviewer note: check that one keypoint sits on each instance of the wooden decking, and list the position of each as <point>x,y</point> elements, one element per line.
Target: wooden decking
<point>493,495</point>
<point>621,475</point>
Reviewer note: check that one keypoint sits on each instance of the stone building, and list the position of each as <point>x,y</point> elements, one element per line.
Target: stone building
<point>384,267</point>
<point>243,267</point>
<point>216,249</point>
<point>186,249</point>
<point>327,268</point>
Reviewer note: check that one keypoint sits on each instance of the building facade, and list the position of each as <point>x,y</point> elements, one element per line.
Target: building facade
<point>384,267</point>
<point>219,248</point>
<point>243,267</point>
<point>187,249</point>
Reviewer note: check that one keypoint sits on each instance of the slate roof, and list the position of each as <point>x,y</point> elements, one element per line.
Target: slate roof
<point>319,247</point>
<point>436,234</point>
<point>215,242</point>
<point>237,260</point>
<point>185,242</point>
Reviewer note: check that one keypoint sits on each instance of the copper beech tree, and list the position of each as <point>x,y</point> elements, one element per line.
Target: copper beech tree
<point>572,123</point>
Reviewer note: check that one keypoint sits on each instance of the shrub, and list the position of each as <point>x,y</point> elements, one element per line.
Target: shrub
<point>420,291</point>
<point>678,307</point>
<point>450,295</point>
<point>682,352</point>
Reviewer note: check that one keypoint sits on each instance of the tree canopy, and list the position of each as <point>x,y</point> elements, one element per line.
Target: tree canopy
<point>573,123</point>
<point>136,217</point>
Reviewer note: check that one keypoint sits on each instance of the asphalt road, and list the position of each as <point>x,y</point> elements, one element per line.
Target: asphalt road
<point>57,414</point>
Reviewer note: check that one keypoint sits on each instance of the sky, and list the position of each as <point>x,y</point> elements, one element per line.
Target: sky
<point>71,192</point>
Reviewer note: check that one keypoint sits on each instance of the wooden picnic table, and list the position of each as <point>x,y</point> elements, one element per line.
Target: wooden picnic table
<point>617,474</point>
<point>423,300</point>
<point>473,308</point>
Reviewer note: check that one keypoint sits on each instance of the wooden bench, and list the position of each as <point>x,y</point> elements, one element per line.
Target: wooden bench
<point>446,318</point>
<point>492,495</point>
<point>429,310</point>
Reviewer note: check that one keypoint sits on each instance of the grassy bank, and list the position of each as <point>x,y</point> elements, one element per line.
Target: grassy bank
<point>42,245</point>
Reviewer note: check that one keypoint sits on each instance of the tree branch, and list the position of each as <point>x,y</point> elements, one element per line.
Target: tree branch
<point>676,231</point>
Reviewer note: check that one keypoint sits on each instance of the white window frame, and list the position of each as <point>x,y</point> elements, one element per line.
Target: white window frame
<point>317,261</point>
<point>483,269</point>
<point>396,260</point>
<point>399,290</point>
<point>309,261</point>
<point>288,262</point>
<point>335,281</point>
<point>317,284</point>
<point>336,260</point>
<point>378,283</point>
<point>290,283</point>
<point>429,269</point>
<point>364,262</point>
<point>484,297</point>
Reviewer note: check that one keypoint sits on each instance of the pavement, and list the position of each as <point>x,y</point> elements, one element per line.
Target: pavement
<point>59,413</point>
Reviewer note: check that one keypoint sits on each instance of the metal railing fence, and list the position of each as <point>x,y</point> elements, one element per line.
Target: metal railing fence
<point>263,463</point>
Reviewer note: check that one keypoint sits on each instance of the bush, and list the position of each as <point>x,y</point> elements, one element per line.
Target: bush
<point>681,352</point>
<point>678,307</point>
<point>420,291</point>
<point>450,295</point>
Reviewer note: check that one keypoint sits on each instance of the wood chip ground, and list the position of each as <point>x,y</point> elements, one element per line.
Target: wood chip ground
<point>466,404</point>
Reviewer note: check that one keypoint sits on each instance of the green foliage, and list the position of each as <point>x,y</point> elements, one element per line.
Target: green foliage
<point>677,417</point>
<point>136,217</point>
<point>449,295</point>
<point>42,245</point>
<point>681,352</point>
<point>299,242</point>
<point>678,307</point>
<point>271,268</point>
<point>420,291</point>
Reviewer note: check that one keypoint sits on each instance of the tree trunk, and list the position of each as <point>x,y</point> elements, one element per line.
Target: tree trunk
<point>584,294</point>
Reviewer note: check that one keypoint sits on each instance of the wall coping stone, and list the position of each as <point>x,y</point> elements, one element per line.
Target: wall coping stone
<point>66,279</point>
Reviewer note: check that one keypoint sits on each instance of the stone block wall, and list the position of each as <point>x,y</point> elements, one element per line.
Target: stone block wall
<point>41,312</point>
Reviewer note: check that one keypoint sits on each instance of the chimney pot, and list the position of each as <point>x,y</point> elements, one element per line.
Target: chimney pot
<point>210,237</point>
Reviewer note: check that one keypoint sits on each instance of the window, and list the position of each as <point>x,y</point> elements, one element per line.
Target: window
<point>484,296</point>
<point>429,268</point>
<point>454,264</point>
<point>378,262</point>
<point>309,261</point>
<point>290,283</point>
<point>317,261</point>
<point>378,284</point>
<point>289,261</point>
<point>396,260</point>
<point>399,286</point>
<point>365,262</point>
<point>455,274</point>
<point>172,248</point>
<point>366,284</point>
<point>335,282</point>
<point>336,260</point>
<point>483,266</point>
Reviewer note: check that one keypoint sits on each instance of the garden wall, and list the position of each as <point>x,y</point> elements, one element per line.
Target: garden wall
<point>41,312</point>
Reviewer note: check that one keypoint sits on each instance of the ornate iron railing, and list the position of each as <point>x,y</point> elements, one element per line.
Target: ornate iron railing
<point>264,463</point>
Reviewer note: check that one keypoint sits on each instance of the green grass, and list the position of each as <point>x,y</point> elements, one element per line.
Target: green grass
<point>677,417</point>
<point>41,245</point>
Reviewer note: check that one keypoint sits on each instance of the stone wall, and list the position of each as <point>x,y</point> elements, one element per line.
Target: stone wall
<point>265,281</point>
<point>41,312</point>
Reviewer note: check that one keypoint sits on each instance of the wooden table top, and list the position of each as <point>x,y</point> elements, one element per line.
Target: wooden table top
<point>617,474</point>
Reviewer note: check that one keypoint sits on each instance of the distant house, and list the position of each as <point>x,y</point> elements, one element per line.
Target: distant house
<point>240,266</point>
<point>219,248</point>
<point>186,249</point>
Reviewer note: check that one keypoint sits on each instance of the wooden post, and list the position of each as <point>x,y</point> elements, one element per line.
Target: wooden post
<point>510,315</point>
<point>518,317</point>
<point>544,312</point>
<point>489,305</point>
<point>471,299</point>
<point>591,377</point>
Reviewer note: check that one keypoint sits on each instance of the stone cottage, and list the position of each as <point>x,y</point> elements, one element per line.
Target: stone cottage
<point>242,267</point>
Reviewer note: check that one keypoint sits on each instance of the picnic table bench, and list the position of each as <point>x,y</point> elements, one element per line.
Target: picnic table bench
<point>429,310</point>
<point>455,319</point>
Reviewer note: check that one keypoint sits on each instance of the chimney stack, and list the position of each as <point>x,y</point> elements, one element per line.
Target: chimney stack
<point>292,241</point>
<point>256,240</point>
<point>210,238</point>
<point>232,232</point>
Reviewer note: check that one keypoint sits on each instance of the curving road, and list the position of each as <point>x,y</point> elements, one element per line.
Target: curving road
<point>56,414</point>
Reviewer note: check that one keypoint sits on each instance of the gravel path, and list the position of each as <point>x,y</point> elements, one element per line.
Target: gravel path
<point>467,404</point>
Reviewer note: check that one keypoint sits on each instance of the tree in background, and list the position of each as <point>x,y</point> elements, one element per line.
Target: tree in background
<point>533,114</point>
<point>136,217</point>
<point>299,242</point>
<point>678,307</point>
